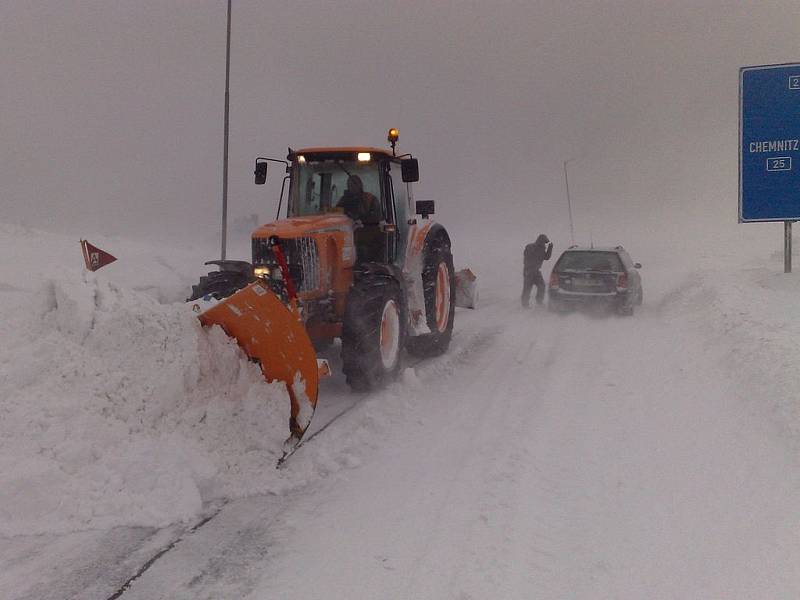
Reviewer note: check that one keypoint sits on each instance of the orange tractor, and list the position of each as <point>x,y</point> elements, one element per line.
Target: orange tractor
<point>354,258</point>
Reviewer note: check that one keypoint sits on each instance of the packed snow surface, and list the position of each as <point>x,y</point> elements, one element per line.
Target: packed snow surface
<point>543,456</point>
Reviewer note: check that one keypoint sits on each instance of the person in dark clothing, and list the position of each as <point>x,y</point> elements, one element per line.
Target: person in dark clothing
<point>365,210</point>
<point>535,254</point>
<point>358,204</point>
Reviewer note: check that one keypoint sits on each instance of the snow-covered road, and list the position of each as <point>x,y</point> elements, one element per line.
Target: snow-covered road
<point>543,456</point>
<point>571,457</point>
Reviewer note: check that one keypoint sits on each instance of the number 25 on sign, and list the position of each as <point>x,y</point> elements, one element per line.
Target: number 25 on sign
<point>779,163</point>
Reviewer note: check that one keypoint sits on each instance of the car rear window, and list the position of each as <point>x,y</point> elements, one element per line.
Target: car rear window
<point>589,261</point>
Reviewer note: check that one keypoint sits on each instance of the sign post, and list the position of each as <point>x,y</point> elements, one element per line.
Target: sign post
<point>769,147</point>
<point>787,246</point>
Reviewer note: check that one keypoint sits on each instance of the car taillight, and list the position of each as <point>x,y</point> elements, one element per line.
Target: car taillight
<point>553,280</point>
<point>622,281</point>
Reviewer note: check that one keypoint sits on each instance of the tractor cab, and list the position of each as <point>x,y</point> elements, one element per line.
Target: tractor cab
<point>352,182</point>
<point>367,185</point>
<point>347,181</point>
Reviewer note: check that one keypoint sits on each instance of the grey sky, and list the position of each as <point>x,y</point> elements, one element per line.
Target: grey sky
<point>112,111</point>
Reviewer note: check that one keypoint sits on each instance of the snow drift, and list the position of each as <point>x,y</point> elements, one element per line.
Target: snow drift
<point>116,409</point>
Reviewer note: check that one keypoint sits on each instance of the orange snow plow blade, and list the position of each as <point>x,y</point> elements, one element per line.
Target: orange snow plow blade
<point>274,336</point>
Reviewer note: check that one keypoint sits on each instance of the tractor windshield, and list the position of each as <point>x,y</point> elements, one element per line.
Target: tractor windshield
<point>335,185</point>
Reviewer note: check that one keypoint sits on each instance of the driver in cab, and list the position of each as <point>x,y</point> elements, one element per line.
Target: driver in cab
<point>365,210</point>
<point>358,204</point>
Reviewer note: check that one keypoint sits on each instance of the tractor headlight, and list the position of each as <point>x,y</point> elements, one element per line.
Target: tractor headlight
<point>261,272</point>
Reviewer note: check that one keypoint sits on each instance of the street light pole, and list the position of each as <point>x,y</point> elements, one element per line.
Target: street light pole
<point>225,147</point>
<point>569,202</point>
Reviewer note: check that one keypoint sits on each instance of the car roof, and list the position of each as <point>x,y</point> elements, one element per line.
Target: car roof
<point>595,249</point>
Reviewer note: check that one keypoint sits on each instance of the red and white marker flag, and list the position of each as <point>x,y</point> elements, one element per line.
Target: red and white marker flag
<point>94,257</point>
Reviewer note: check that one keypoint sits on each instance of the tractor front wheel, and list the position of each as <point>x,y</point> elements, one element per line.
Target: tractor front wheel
<point>373,333</point>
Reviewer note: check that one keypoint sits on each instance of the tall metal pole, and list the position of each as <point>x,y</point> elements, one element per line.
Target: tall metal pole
<point>569,203</point>
<point>787,246</point>
<point>225,149</point>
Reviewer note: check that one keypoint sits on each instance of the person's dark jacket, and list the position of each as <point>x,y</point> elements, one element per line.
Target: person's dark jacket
<point>361,206</point>
<point>536,253</point>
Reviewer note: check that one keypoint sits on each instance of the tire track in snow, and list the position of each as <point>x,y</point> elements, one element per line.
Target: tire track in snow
<point>484,477</point>
<point>428,476</point>
<point>169,546</point>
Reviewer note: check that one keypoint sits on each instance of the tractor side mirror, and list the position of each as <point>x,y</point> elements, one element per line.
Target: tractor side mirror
<point>261,172</point>
<point>425,208</point>
<point>410,170</point>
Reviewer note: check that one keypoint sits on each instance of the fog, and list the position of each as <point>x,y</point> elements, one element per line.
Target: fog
<point>112,113</point>
<point>541,455</point>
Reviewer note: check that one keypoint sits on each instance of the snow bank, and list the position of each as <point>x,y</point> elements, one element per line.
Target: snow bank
<point>116,409</point>
<point>752,312</point>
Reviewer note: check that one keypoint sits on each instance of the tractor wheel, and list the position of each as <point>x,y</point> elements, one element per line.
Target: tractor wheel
<point>232,276</point>
<point>438,280</point>
<point>218,284</point>
<point>373,333</point>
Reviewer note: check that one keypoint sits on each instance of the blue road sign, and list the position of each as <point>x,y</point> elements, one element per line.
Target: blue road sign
<point>769,143</point>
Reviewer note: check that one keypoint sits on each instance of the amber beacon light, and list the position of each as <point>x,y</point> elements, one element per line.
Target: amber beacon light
<point>393,136</point>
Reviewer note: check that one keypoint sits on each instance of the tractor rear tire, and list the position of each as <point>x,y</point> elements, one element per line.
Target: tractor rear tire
<point>373,333</point>
<point>439,285</point>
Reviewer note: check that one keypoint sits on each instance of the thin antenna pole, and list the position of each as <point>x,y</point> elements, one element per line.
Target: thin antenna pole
<point>225,148</point>
<point>569,203</point>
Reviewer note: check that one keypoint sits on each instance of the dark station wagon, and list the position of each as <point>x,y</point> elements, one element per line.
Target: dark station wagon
<point>595,278</point>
